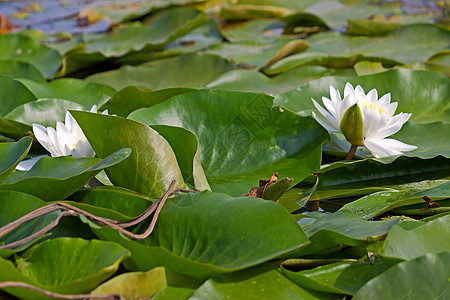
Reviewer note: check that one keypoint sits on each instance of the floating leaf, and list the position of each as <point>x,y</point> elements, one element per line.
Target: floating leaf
<point>412,243</point>
<point>54,178</point>
<point>230,237</point>
<point>242,138</point>
<point>189,70</point>
<point>18,204</point>
<point>24,48</point>
<point>139,285</point>
<point>80,91</point>
<point>131,98</point>
<point>152,164</point>
<point>340,278</point>
<point>48,266</point>
<point>332,232</point>
<point>20,69</point>
<point>12,94</point>
<point>375,204</point>
<point>45,112</point>
<point>425,277</point>
<point>11,154</point>
<point>263,282</point>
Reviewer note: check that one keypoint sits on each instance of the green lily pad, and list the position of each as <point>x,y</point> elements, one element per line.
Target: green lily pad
<point>375,204</point>
<point>162,29</point>
<point>338,50</point>
<point>24,48</point>
<point>422,240</point>
<point>152,164</point>
<point>140,285</point>
<point>189,70</point>
<point>20,69</point>
<point>230,237</point>
<point>349,178</point>
<point>425,277</point>
<point>11,154</point>
<point>242,138</point>
<point>12,94</point>
<point>54,178</point>
<point>263,282</point>
<point>127,204</point>
<point>48,266</point>
<point>18,204</point>
<point>14,129</point>
<point>131,98</point>
<point>254,81</point>
<point>340,278</point>
<point>185,145</point>
<point>85,93</point>
<point>332,232</point>
<point>45,112</point>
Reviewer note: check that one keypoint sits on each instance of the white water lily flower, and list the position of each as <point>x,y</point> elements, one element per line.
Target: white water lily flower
<point>67,139</point>
<point>376,115</point>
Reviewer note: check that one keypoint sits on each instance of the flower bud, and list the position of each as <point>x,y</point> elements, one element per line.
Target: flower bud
<point>352,125</point>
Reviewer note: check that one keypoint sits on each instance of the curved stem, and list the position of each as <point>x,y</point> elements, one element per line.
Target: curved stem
<point>351,152</point>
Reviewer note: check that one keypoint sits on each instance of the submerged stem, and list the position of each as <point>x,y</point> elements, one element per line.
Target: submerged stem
<point>351,152</point>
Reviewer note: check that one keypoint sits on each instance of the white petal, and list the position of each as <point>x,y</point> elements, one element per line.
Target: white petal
<point>334,94</point>
<point>377,150</point>
<point>346,103</point>
<point>53,137</point>
<point>371,122</point>
<point>372,96</point>
<point>93,109</point>
<point>330,106</point>
<point>26,165</point>
<point>40,132</point>
<point>385,100</point>
<point>390,108</point>
<point>324,123</point>
<point>330,119</point>
<point>387,147</point>
<point>83,149</point>
<point>394,127</point>
<point>359,93</point>
<point>349,90</point>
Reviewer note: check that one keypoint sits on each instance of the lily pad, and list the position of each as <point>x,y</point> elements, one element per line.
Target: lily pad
<point>375,204</point>
<point>140,285</point>
<point>230,237</point>
<point>425,277</point>
<point>24,48</point>
<point>242,138</point>
<point>332,232</point>
<point>54,178</point>
<point>45,112</point>
<point>189,70</point>
<point>351,178</point>
<point>18,204</point>
<point>131,98</point>
<point>410,244</point>
<point>152,164</point>
<point>12,94</point>
<point>411,45</point>
<point>11,154</point>
<point>340,278</point>
<point>263,282</point>
<point>254,81</point>
<point>47,266</point>
<point>85,93</point>
<point>20,69</point>
<point>127,204</point>
<point>185,145</point>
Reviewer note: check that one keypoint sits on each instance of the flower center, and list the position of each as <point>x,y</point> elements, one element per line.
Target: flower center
<point>373,106</point>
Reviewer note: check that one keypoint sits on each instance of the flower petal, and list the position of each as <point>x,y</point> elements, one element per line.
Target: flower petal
<point>330,119</point>
<point>324,123</point>
<point>387,147</point>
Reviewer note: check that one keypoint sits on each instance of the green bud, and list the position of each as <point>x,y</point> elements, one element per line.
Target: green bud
<point>352,125</point>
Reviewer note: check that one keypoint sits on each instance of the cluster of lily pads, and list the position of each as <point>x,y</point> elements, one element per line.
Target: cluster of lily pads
<point>217,169</point>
